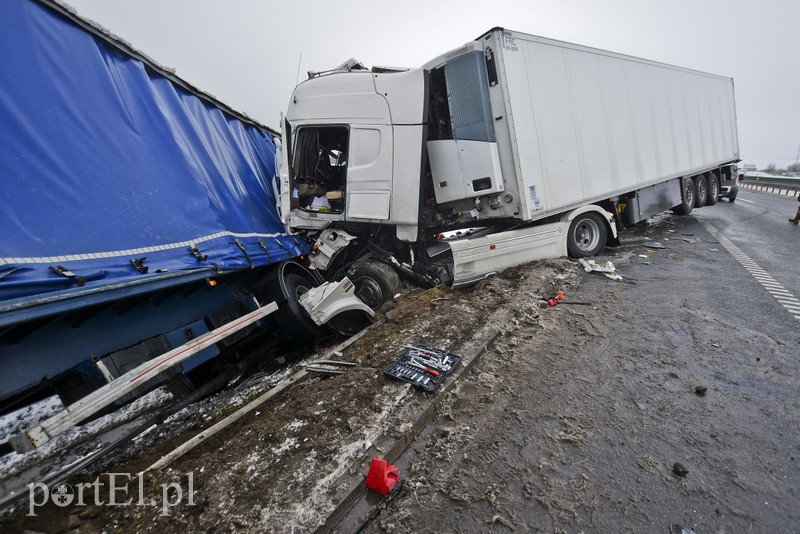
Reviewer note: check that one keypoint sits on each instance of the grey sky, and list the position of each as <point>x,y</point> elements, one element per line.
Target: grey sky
<point>246,52</point>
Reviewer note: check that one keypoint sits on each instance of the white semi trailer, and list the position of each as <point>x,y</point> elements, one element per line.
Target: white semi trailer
<point>541,148</point>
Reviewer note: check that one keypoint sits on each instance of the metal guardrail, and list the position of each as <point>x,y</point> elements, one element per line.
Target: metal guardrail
<point>778,189</point>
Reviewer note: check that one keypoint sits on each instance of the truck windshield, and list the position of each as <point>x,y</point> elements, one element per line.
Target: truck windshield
<point>320,168</point>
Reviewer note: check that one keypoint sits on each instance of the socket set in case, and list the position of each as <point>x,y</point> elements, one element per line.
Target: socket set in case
<point>423,367</point>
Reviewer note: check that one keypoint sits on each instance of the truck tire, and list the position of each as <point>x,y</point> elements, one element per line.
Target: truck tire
<point>701,191</point>
<point>713,190</point>
<point>687,196</point>
<point>292,318</point>
<point>375,282</point>
<point>587,235</point>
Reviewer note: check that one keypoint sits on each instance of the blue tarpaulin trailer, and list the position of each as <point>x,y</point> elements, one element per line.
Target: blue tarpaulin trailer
<point>133,206</point>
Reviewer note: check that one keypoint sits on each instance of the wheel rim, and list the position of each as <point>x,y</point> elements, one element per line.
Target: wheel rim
<point>688,194</point>
<point>712,190</point>
<point>299,291</point>
<point>701,188</point>
<point>587,235</point>
<point>369,291</point>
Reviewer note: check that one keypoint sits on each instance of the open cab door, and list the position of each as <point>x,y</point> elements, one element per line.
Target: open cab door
<point>284,150</point>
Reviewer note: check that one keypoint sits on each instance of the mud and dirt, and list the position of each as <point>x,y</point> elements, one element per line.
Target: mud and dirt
<point>645,409</point>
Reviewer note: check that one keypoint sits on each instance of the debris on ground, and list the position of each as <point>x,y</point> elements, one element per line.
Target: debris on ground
<point>382,476</point>
<point>607,268</point>
<point>679,469</point>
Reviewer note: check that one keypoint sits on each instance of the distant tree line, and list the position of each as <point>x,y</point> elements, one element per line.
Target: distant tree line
<point>773,169</point>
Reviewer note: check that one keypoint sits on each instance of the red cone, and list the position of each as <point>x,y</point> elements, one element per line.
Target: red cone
<point>382,476</point>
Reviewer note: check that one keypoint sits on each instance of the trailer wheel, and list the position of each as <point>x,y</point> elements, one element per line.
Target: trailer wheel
<point>587,235</point>
<point>713,190</point>
<point>687,203</point>
<point>701,187</point>
<point>291,317</point>
<point>375,283</point>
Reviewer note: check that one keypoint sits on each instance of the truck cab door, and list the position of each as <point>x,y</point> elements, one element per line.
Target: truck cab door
<point>369,173</point>
<point>283,156</point>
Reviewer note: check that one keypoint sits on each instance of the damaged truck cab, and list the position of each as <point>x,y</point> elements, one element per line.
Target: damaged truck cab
<point>509,149</point>
<point>355,143</point>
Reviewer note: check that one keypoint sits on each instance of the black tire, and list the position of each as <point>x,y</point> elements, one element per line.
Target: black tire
<point>181,386</point>
<point>713,190</point>
<point>291,317</point>
<point>701,191</point>
<point>587,235</point>
<point>687,198</point>
<point>375,282</point>
<point>732,198</point>
<point>350,323</point>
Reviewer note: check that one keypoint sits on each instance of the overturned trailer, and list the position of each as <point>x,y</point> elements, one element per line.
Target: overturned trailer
<point>139,217</point>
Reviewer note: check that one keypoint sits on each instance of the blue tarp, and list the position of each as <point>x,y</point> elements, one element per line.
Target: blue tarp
<point>104,161</point>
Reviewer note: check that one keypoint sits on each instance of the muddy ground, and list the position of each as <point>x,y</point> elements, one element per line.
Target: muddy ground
<point>659,404</point>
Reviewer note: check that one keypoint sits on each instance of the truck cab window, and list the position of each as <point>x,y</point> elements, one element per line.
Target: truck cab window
<point>320,168</point>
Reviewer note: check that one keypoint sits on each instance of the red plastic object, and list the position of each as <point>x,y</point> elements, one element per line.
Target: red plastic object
<point>382,476</point>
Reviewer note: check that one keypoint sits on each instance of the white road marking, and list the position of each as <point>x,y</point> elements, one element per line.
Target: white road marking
<point>781,294</point>
<point>745,200</point>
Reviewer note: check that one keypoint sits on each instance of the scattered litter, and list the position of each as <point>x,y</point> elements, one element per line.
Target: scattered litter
<point>716,345</point>
<point>679,469</point>
<point>690,240</point>
<point>328,367</point>
<point>438,299</point>
<point>382,476</point>
<point>700,391</point>
<point>559,299</point>
<point>645,256</point>
<point>677,529</point>
<point>714,249</point>
<point>653,244</point>
<point>688,233</point>
<point>606,268</point>
<point>257,378</point>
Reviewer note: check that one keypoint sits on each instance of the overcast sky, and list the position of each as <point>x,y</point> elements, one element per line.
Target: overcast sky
<point>247,52</point>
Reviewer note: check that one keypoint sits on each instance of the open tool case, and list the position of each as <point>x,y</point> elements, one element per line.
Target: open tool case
<point>423,367</point>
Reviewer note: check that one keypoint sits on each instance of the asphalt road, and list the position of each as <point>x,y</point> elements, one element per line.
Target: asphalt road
<point>590,424</point>
<point>757,224</point>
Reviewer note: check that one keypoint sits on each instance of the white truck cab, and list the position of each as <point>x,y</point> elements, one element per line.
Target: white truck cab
<point>354,142</point>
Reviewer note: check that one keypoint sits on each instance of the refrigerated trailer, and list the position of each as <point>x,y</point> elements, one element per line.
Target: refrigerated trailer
<point>541,148</point>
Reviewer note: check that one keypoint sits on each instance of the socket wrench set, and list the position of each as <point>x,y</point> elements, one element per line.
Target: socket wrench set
<point>423,367</point>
